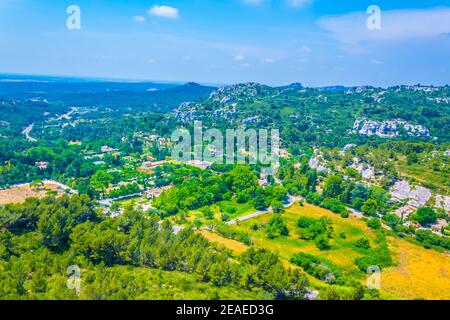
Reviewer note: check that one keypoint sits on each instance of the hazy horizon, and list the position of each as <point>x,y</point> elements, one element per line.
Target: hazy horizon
<point>179,82</point>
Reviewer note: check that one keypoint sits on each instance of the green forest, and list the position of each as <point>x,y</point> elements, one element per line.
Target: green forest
<point>134,224</point>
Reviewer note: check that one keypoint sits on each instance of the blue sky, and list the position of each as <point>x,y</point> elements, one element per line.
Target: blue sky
<point>316,42</point>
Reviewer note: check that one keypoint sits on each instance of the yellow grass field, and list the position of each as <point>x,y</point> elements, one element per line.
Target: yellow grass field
<point>21,193</point>
<point>420,273</point>
<point>235,246</point>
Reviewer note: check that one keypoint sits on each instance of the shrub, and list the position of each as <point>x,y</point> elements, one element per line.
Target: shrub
<point>230,233</point>
<point>315,267</point>
<point>364,263</point>
<point>322,243</point>
<point>345,215</point>
<point>429,239</point>
<point>342,293</point>
<point>197,223</point>
<point>314,198</point>
<point>363,243</point>
<point>242,197</point>
<point>311,228</point>
<point>425,216</point>
<point>392,220</point>
<point>276,227</point>
<point>277,206</point>
<point>334,205</point>
<point>342,235</point>
<point>230,210</point>
<point>227,196</point>
<point>208,214</point>
<point>374,223</point>
<point>370,207</point>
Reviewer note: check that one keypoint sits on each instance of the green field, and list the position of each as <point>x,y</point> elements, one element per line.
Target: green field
<point>230,208</point>
<point>343,252</point>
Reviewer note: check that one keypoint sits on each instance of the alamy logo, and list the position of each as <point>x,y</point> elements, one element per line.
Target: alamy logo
<point>238,147</point>
<point>74,20</point>
<point>374,281</point>
<point>74,279</point>
<point>374,19</point>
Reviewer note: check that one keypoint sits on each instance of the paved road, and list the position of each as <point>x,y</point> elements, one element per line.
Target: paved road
<point>289,203</point>
<point>27,131</point>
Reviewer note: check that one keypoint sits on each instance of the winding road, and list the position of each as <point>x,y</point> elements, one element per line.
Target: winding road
<point>27,131</point>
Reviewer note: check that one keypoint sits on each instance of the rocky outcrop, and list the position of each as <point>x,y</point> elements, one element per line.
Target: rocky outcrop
<point>443,202</point>
<point>316,163</point>
<point>389,128</point>
<point>418,196</point>
<point>240,91</point>
<point>366,171</point>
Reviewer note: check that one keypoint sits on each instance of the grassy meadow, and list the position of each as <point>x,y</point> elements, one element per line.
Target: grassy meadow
<point>416,273</point>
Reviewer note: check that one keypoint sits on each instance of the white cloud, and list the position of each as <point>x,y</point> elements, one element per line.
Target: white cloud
<point>164,12</point>
<point>306,49</point>
<point>351,29</point>
<point>139,19</point>
<point>375,61</point>
<point>152,61</point>
<point>239,57</point>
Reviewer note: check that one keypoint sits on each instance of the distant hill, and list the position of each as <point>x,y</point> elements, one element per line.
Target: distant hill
<point>295,85</point>
<point>334,89</point>
<point>137,96</point>
<point>153,98</point>
<point>331,116</point>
